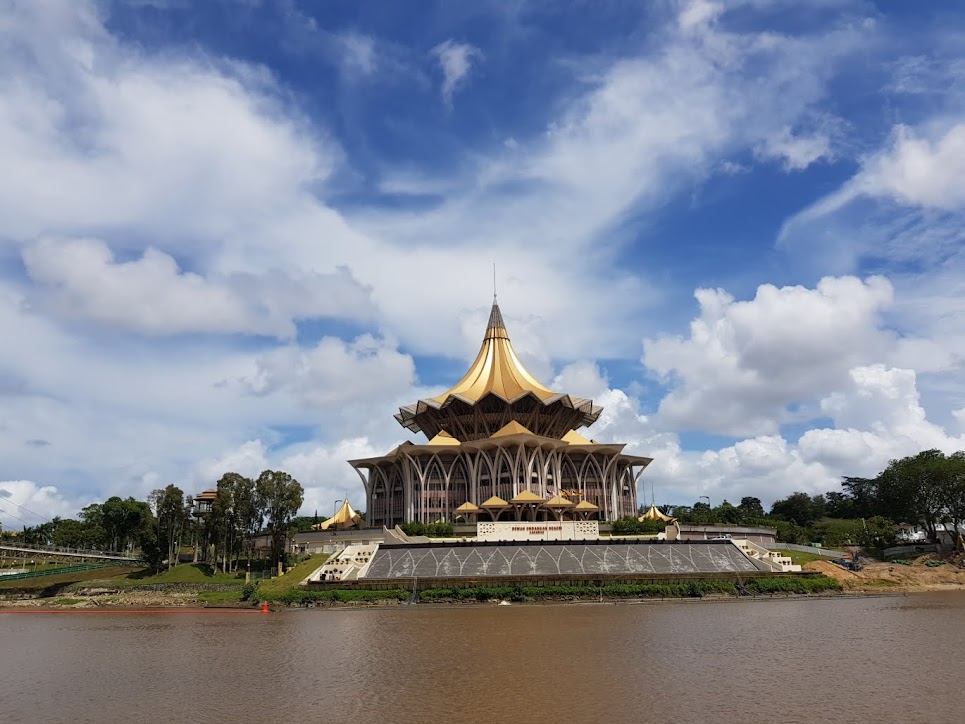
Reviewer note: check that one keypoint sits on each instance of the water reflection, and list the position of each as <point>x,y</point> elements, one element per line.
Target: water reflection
<point>780,661</point>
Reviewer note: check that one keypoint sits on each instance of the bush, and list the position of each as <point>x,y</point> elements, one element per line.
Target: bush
<point>439,529</point>
<point>248,590</point>
<point>339,595</point>
<point>616,590</point>
<point>631,526</point>
<point>789,584</point>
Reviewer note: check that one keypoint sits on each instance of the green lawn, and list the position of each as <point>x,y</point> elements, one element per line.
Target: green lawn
<point>221,596</point>
<point>187,573</point>
<point>98,575</point>
<point>289,581</point>
<point>800,557</point>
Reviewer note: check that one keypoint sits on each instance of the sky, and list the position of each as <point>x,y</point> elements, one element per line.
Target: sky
<point>238,235</point>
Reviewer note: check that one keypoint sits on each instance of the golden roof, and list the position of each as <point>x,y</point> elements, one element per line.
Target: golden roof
<point>496,373</point>
<point>511,428</point>
<point>558,502</point>
<point>496,370</point>
<point>209,494</point>
<point>495,502</point>
<point>526,497</point>
<point>575,438</point>
<point>653,513</point>
<point>468,507</point>
<point>443,438</point>
<point>346,517</point>
<point>585,506</point>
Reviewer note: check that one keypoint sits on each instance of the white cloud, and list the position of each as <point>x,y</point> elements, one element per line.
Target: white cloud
<point>358,53</point>
<point>152,296</point>
<point>918,170</point>
<point>23,502</point>
<point>334,373</point>
<point>797,152</point>
<point>248,459</point>
<point>746,362</point>
<point>456,61</point>
<point>878,416</point>
<point>211,199</point>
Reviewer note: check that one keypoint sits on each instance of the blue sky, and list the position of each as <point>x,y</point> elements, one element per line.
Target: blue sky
<point>237,235</point>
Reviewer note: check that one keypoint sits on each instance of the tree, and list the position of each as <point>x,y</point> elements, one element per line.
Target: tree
<point>170,515</point>
<point>77,534</point>
<point>863,493</point>
<point>728,514</point>
<point>278,496</point>
<point>840,505</point>
<point>912,489</point>
<point>234,517</point>
<point>751,509</point>
<point>799,508</point>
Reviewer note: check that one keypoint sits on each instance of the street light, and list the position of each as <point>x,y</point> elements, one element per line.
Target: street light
<point>707,498</point>
<point>334,511</point>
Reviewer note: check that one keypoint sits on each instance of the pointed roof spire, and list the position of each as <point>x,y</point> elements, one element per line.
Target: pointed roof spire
<point>496,369</point>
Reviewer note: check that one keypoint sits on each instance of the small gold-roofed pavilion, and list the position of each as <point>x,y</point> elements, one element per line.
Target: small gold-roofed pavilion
<point>499,435</point>
<point>345,518</point>
<point>653,513</point>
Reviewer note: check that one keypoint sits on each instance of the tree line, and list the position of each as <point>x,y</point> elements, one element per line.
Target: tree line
<point>168,520</point>
<point>927,489</point>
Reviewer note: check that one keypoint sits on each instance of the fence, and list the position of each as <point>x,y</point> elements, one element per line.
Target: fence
<point>70,552</point>
<point>900,550</point>
<point>56,571</point>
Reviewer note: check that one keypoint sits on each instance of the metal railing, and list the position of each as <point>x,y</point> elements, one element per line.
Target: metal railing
<point>71,552</point>
<point>55,571</point>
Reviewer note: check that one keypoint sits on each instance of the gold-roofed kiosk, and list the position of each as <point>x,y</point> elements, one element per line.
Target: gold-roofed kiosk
<point>499,433</point>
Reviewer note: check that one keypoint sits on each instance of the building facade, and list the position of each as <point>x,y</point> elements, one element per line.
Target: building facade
<point>496,434</point>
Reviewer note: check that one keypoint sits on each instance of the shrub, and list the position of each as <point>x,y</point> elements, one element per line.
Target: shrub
<point>439,529</point>
<point>339,595</point>
<point>631,526</point>
<point>788,584</point>
<point>247,590</point>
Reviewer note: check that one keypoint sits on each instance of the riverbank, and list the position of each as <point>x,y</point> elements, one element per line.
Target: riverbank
<point>921,574</point>
<point>194,586</point>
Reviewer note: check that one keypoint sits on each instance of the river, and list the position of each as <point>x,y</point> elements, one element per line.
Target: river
<point>884,659</point>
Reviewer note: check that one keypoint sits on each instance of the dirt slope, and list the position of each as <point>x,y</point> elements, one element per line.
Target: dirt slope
<point>894,576</point>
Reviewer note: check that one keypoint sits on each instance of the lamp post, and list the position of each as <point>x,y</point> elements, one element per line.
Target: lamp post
<point>334,511</point>
<point>710,517</point>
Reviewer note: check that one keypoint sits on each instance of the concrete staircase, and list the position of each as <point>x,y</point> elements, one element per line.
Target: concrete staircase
<point>772,560</point>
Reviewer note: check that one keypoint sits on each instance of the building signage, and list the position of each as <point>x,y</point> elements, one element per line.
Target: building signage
<point>547,530</point>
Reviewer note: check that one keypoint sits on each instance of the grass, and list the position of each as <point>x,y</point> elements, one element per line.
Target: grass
<point>800,557</point>
<point>272,588</point>
<point>98,575</point>
<point>185,573</point>
<point>67,601</point>
<point>221,596</point>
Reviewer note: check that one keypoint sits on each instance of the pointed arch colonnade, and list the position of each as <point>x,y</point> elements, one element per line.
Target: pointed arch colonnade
<point>427,483</point>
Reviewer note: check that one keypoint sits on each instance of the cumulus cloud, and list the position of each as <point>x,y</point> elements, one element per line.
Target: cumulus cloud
<point>917,169</point>
<point>152,295</point>
<point>334,373</point>
<point>797,152</point>
<point>746,362</point>
<point>456,61</point>
<point>180,181</point>
<point>875,415</point>
<point>23,502</point>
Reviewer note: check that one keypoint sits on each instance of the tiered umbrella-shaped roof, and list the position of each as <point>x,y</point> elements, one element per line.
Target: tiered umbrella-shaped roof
<point>497,389</point>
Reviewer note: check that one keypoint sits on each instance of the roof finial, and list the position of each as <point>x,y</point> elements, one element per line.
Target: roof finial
<point>494,281</point>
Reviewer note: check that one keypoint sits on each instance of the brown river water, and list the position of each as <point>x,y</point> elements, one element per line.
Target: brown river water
<point>887,659</point>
